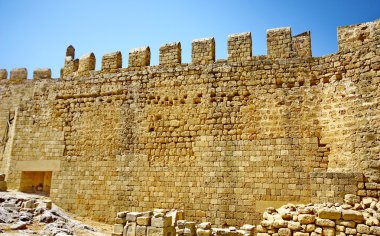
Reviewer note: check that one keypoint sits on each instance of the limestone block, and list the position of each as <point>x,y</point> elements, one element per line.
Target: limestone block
<point>352,215</point>
<point>143,220</point>
<point>329,213</point>
<point>279,223</point>
<point>161,222</point>
<point>203,232</point>
<point>306,219</point>
<point>42,73</point>
<point>300,234</point>
<point>132,216</point>
<point>140,230</point>
<point>284,232</point>
<point>175,215</point>
<point>118,228</point>
<point>131,230</point>
<point>328,231</point>
<point>139,57</point>
<point>119,220</point>
<point>375,230</point>
<point>204,225</point>
<point>166,231</point>
<point>294,225</point>
<point>351,231</point>
<point>18,74</point>
<point>3,74</point>
<point>325,223</point>
<point>310,227</point>
<point>350,224</point>
<point>340,228</point>
<point>87,62</point>
<point>351,199</point>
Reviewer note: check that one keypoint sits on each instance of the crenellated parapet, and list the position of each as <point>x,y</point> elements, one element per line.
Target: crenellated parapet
<point>203,51</point>
<point>170,54</point>
<point>239,47</point>
<point>112,61</point>
<point>3,74</point>
<point>139,57</point>
<point>87,63</point>
<point>281,44</point>
<point>301,45</point>
<point>19,75</point>
<point>352,36</point>
<point>42,74</point>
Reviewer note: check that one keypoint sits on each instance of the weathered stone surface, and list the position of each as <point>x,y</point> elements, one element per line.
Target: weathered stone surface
<point>284,232</point>
<point>352,215</point>
<point>3,74</point>
<point>167,231</point>
<point>325,223</point>
<point>306,219</point>
<point>143,220</point>
<point>351,199</point>
<point>329,213</point>
<point>132,216</point>
<point>161,222</point>
<point>42,74</point>
<point>260,130</point>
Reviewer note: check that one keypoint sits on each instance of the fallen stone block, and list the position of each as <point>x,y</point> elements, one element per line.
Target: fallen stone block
<point>306,219</point>
<point>166,231</point>
<point>352,215</point>
<point>329,213</point>
<point>161,222</point>
<point>140,230</point>
<point>143,220</point>
<point>325,223</point>
<point>132,216</point>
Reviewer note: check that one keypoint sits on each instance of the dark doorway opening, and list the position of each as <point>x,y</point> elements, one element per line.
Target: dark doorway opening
<point>38,182</point>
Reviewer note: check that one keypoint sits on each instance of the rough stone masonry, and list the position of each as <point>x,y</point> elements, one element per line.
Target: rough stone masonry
<point>221,140</point>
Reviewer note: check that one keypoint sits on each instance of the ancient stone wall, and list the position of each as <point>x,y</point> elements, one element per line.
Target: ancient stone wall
<point>219,139</point>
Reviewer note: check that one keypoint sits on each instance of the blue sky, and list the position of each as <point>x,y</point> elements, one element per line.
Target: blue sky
<point>36,33</point>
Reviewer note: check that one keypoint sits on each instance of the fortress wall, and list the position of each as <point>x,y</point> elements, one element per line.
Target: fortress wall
<point>221,140</point>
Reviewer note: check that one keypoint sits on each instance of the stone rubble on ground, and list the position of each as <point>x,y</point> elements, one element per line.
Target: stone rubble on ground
<point>19,211</point>
<point>354,217</point>
<point>169,223</point>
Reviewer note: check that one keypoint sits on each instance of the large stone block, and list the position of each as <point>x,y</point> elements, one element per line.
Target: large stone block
<point>161,222</point>
<point>166,231</point>
<point>329,213</point>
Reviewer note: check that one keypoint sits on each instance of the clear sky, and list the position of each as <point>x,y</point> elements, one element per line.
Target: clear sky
<point>35,34</point>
